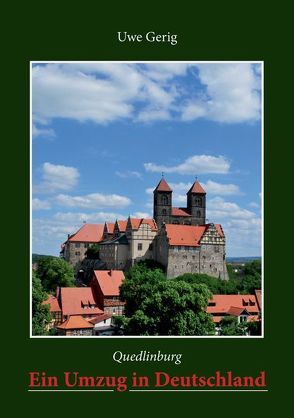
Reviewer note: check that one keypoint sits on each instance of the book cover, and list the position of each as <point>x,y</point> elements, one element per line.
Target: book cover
<point>163,138</point>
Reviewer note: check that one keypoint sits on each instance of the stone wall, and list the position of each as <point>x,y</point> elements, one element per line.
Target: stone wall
<point>207,259</point>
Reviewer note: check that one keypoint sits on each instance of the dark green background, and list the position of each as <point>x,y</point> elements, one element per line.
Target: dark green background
<point>87,31</point>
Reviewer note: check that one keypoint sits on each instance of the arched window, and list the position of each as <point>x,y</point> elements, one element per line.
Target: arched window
<point>164,199</point>
<point>198,201</point>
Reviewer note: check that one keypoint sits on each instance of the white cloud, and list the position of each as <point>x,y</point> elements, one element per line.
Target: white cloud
<point>231,94</point>
<point>57,177</point>
<point>39,131</point>
<point>213,187</point>
<point>141,215</point>
<point>79,218</point>
<point>108,92</point>
<point>218,208</point>
<point>196,164</point>
<point>165,71</point>
<point>128,174</point>
<point>50,233</point>
<point>38,204</point>
<point>254,205</point>
<point>93,201</point>
<point>241,226</point>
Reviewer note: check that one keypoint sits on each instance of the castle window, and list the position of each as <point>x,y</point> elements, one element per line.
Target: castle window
<point>164,199</point>
<point>150,247</point>
<point>198,201</point>
<point>164,212</point>
<point>77,245</point>
<point>216,248</point>
<point>77,253</point>
<point>140,246</point>
<point>198,214</point>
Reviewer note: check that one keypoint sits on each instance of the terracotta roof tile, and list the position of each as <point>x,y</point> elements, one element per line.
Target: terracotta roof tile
<point>236,311</point>
<point>88,233</point>
<point>137,222</point>
<point>163,186</point>
<point>196,188</point>
<point>109,281</point>
<point>122,225</point>
<point>53,302</point>
<point>259,298</point>
<point>100,318</point>
<point>75,322</point>
<point>223,303</point>
<point>109,227</point>
<point>186,235</point>
<point>73,298</point>
<point>180,212</point>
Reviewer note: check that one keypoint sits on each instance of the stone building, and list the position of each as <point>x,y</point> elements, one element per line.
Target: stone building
<point>164,212</point>
<point>177,237</point>
<point>191,249</point>
<point>74,248</point>
<point>129,244</point>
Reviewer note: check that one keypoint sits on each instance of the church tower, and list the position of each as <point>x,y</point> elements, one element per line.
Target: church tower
<point>196,204</point>
<point>162,203</point>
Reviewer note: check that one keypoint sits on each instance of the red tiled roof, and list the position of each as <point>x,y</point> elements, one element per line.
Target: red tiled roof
<point>88,233</point>
<point>196,188</point>
<point>109,227</point>
<point>100,318</point>
<point>163,186</point>
<point>219,229</point>
<point>122,226</point>
<point>236,311</point>
<point>75,322</point>
<point>223,303</point>
<point>259,298</point>
<point>137,222</point>
<point>72,299</point>
<point>186,235</point>
<point>109,281</point>
<point>53,302</point>
<point>180,212</point>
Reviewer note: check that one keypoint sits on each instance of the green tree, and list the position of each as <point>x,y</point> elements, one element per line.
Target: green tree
<point>55,272</point>
<point>40,313</point>
<point>215,285</point>
<point>93,252</point>
<point>229,326</point>
<point>157,306</point>
<point>138,285</point>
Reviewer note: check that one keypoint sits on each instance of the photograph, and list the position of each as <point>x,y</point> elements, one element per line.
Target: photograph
<point>146,199</point>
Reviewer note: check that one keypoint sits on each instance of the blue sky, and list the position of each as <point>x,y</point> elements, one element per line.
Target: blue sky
<point>104,132</point>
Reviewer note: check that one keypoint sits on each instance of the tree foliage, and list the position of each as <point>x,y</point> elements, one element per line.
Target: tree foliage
<point>245,282</point>
<point>40,313</point>
<point>93,252</point>
<point>157,306</point>
<point>55,272</point>
<point>229,326</point>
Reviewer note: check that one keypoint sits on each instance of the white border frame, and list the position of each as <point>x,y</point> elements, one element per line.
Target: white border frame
<point>262,203</point>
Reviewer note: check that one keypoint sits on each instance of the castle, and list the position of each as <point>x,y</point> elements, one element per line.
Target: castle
<point>178,238</point>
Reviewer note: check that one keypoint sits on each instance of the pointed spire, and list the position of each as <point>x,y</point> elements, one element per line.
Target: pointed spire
<point>196,188</point>
<point>163,186</point>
